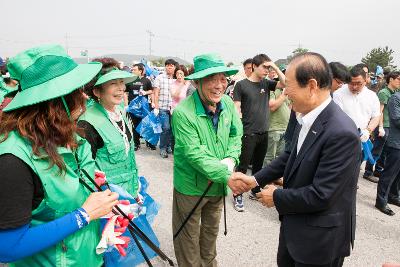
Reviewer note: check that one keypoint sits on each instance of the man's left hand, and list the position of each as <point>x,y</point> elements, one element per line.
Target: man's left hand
<point>266,196</point>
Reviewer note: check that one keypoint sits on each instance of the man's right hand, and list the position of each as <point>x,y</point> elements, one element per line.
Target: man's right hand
<point>381,132</point>
<point>364,135</point>
<point>99,204</point>
<point>240,183</point>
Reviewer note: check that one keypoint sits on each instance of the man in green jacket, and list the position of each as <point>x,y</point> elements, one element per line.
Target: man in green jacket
<point>208,132</point>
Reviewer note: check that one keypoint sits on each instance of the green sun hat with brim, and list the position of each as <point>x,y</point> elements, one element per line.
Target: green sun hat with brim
<point>114,74</point>
<point>47,72</point>
<point>209,64</point>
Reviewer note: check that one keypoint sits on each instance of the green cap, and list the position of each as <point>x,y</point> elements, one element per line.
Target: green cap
<point>47,72</point>
<point>114,74</point>
<point>208,64</point>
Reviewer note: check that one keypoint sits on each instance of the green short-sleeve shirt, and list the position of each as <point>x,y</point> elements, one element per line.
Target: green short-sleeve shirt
<point>280,117</point>
<point>383,95</point>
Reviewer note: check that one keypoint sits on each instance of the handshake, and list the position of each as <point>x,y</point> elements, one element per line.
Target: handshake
<point>240,183</point>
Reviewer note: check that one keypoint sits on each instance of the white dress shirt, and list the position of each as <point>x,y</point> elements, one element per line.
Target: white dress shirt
<point>307,120</point>
<point>361,107</point>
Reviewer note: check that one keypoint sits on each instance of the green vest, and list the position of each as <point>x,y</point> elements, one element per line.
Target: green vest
<point>63,194</point>
<point>120,168</point>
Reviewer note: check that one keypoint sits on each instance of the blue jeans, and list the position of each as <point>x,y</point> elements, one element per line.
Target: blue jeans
<point>165,137</point>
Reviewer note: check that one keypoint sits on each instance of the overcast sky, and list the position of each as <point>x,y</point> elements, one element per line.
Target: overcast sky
<point>341,30</point>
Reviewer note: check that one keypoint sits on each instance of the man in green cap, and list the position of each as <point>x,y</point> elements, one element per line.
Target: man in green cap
<point>207,131</point>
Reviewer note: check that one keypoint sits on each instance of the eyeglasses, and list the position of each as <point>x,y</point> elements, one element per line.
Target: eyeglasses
<point>357,84</point>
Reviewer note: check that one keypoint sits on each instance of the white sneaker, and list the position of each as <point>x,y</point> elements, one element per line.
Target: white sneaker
<point>238,203</point>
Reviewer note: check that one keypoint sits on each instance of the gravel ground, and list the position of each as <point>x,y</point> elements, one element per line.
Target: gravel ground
<point>252,238</point>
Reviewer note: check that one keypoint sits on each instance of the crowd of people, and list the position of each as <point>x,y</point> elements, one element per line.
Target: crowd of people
<point>292,136</point>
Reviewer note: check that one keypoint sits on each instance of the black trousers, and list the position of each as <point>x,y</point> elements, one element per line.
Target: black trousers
<point>285,260</point>
<point>254,149</point>
<point>377,151</point>
<point>389,182</point>
<point>136,136</point>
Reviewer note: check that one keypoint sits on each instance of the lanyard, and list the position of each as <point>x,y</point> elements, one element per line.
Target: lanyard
<point>117,116</point>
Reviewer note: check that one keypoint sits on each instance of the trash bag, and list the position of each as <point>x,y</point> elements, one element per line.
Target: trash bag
<point>150,128</point>
<point>147,212</point>
<point>367,152</point>
<point>139,107</point>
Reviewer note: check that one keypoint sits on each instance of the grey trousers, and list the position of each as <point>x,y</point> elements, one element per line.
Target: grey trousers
<point>196,245</point>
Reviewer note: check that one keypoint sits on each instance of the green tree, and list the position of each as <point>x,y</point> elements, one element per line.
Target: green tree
<point>298,50</point>
<point>379,56</point>
<point>158,62</point>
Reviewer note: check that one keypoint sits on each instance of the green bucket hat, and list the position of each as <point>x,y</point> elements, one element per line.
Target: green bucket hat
<point>45,73</point>
<point>208,64</point>
<point>116,74</point>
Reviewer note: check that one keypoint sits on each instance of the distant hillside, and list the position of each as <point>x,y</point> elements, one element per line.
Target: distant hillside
<point>128,59</point>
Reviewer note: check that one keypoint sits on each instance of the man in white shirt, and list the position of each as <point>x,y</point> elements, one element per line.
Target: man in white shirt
<point>359,103</point>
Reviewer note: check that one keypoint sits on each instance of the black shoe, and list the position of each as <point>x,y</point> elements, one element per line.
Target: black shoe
<point>137,147</point>
<point>371,178</point>
<point>170,151</point>
<point>152,147</point>
<point>378,174</point>
<point>394,201</point>
<point>164,154</point>
<point>385,209</point>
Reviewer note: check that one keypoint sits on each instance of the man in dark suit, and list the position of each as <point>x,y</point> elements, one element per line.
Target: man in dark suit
<point>317,203</point>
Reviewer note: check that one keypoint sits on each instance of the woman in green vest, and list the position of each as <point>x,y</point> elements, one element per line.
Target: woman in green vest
<point>108,129</point>
<point>47,217</point>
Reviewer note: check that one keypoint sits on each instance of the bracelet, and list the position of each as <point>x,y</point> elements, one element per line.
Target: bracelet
<point>82,218</point>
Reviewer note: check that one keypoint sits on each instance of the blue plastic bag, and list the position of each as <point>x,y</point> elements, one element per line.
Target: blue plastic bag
<point>139,107</point>
<point>367,152</point>
<point>150,128</point>
<point>112,258</point>
<point>379,70</point>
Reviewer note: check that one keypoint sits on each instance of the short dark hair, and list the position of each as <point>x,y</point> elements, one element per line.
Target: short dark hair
<point>183,69</point>
<point>260,59</point>
<point>191,69</point>
<point>358,70</point>
<point>109,63</point>
<point>312,66</point>
<point>140,67</point>
<point>393,75</point>
<point>3,69</point>
<point>362,65</point>
<point>340,71</point>
<point>247,61</point>
<point>170,61</point>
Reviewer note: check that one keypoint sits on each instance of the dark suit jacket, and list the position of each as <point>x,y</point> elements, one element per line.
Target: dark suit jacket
<point>317,203</point>
<point>394,117</point>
